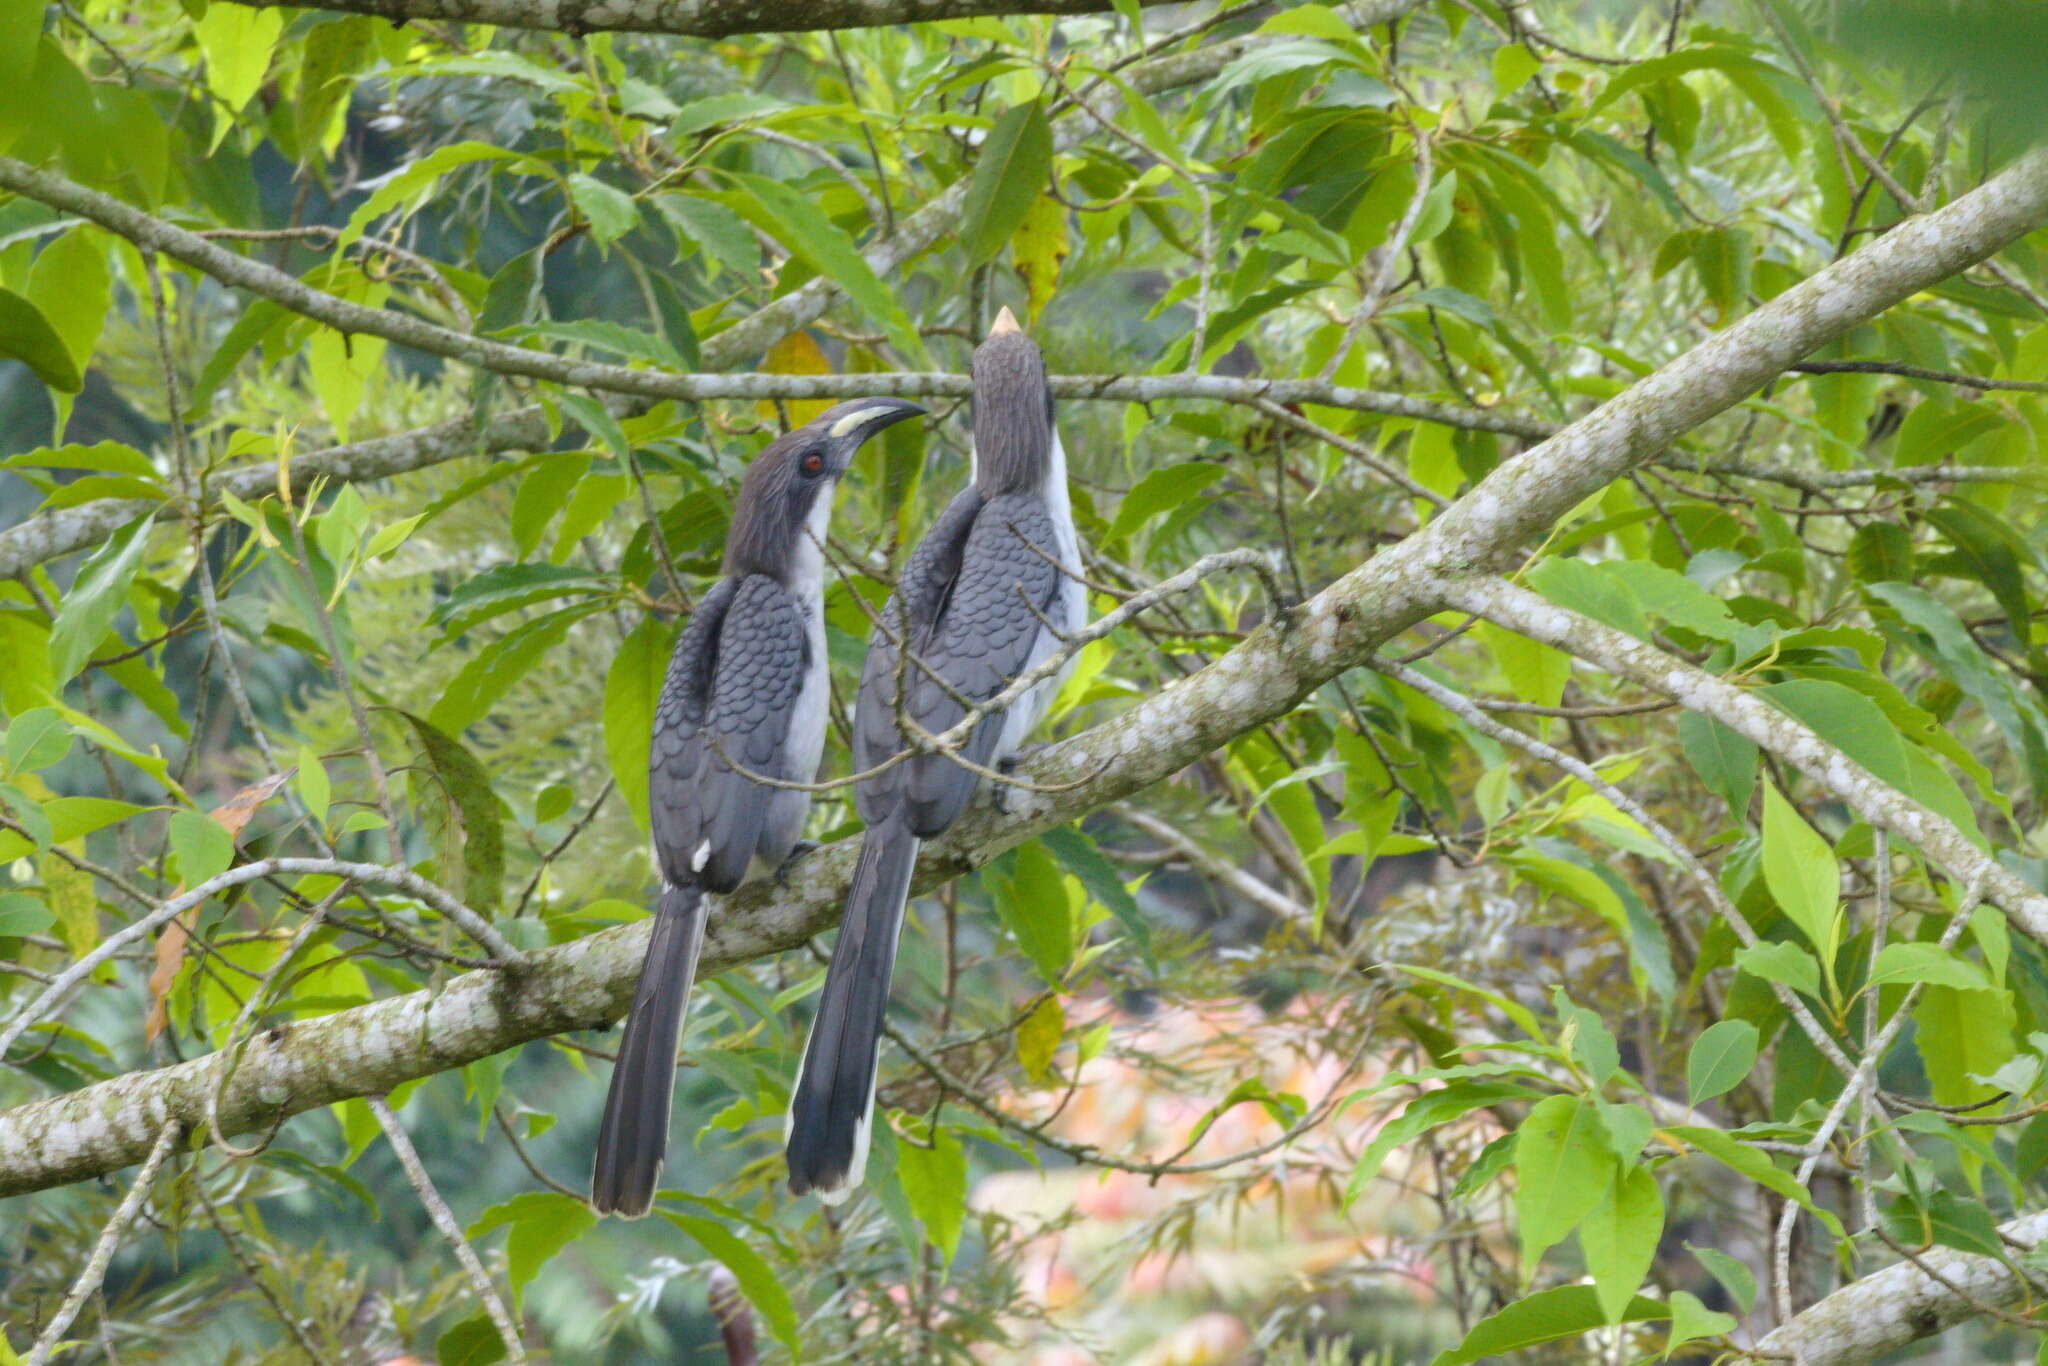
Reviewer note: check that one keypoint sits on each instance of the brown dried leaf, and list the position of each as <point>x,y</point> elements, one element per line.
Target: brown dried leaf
<point>232,815</point>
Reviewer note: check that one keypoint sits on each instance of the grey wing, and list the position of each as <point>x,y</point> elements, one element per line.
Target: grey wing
<point>677,752</point>
<point>726,707</point>
<point>763,655</point>
<point>921,593</point>
<point>989,631</point>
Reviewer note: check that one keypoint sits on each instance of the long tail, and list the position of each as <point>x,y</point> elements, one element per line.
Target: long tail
<point>834,1099</point>
<point>634,1137</point>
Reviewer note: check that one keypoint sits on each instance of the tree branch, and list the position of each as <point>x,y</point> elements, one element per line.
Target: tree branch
<point>1876,801</point>
<point>699,18</point>
<point>580,985</point>
<point>1900,1304</point>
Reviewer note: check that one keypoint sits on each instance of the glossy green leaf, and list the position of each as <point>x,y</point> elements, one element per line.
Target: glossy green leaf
<point>203,847</point>
<point>1543,1317</point>
<point>96,598</point>
<point>1562,1170</point>
<point>934,1178</point>
<point>1009,175</point>
<point>37,739</point>
<point>1800,870</point>
<point>1720,1058</point>
<point>631,686</point>
<point>758,1281</point>
<point>1033,903</point>
<point>27,336</point>
<point>1619,1238</point>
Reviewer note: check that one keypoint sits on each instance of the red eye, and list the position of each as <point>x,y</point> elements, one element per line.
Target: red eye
<point>814,463</point>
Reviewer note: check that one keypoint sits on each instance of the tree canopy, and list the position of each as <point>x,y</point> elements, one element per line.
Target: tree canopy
<point>1538,849</point>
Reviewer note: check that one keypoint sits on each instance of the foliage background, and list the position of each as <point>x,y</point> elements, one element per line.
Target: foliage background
<point>1508,215</point>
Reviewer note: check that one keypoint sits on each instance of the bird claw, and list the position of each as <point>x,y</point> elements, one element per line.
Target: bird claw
<point>1008,765</point>
<point>801,848</point>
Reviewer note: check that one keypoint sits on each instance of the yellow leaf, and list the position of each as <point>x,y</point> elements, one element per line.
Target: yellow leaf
<point>1038,1037</point>
<point>1038,249</point>
<point>796,354</point>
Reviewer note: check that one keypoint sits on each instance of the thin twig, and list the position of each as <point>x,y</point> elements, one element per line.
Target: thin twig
<point>95,1271</point>
<point>444,1220</point>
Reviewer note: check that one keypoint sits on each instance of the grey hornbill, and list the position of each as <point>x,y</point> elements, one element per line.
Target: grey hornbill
<point>746,693</point>
<point>986,595</point>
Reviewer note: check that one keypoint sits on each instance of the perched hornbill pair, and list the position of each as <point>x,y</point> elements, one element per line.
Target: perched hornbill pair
<point>985,596</point>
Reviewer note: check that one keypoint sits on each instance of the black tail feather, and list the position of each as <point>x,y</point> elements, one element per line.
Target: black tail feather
<point>832,1104</point>
<point>634,1136</point>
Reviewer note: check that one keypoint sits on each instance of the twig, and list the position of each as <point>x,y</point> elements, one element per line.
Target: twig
<point>95,1270</point>
<point>444,1220</point>
<point>402,878</point>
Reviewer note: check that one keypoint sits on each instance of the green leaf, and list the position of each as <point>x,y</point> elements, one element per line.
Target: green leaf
<point>203,847</point>
<point>542,1224</point>
<point>1725,760</point>
<point>1930,963</point>
<point>475,1340</point>
<point>1961,1035</point>
<point>1881,552</point>
<point>1591,1040</point>
<point>495,669</point>
<point>27,336</point>
<point>542,492</point>
<point>37,739</point>
<point>803,227</point>
<point>1562,1168</point>
<point>758,1281</point>
<point>609,210</point>
<point>1722,256</point>
<point>1948,1219</point>
<point>1730,1151</point>
<point>1033,903</point>
<point>631,687</point>
<point>414,184</point>
<point>1782,962</point>
<point>1735,1278</point>
<point>69,817</point>
<point>22,914</point>
<point>1009,174</point>
<point>1079,855</point>
<point>1426,1112</point>
<point>314,788</point>
<point>1161,491</point>
<point>1938,429</point>
<point>96,598</point>
<point>479,828</point>
<point>718,232</point>
<point>1691,1320</point>
<point>21,25</point>
<point>237,42</point>
<point>1545,1317</point>
<point>1983,552</point>
<point>1535,671</point>
<point>1721,1057</point>
<point>1800,870</point>
<point>1619,1238</point>
<point>934,1179</point>
<point>72,288</point>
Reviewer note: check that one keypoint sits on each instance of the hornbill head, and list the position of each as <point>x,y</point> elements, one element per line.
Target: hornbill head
<point>1013,432</point>
<point>787,492</point>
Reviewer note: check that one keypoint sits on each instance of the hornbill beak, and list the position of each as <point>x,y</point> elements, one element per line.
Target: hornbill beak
<point>849,425</point>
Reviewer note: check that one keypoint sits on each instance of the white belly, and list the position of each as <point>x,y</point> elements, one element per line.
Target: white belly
<point>1069,613</point>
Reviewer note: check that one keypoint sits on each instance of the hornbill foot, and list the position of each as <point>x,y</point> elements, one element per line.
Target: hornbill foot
<point>801,848</point>
<point>1008,765</point>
